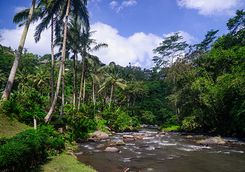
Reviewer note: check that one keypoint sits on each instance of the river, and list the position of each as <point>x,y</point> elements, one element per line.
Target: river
<point>156,152</point>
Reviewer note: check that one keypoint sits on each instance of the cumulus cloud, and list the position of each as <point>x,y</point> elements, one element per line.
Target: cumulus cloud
<point>212,7</point>
<point>11,37</point>
<point>135,49</point>
<point>115,5</point>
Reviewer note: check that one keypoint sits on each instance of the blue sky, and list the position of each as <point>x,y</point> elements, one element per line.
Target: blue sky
<point>132,28</point>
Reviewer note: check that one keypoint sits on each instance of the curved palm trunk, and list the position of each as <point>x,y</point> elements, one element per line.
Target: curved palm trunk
<point>10,82</point>
<point>48,116</point>
<point>75,81</point>
<point>52,60</point>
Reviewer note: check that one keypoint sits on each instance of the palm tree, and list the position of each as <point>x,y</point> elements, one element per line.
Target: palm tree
<point>76,7</point>
<point>46,10</point>
<point>94,65</point>
<point>74,45</point>
<point>52,15</point>
<point>10,82</point>
<point>87,42</point>
<point>112,79</point>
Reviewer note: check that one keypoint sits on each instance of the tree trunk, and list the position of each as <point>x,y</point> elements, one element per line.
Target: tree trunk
<point>84,90</point>
<point>82,82</point>
<point>10,82</point>
<point>34,123</point>
<point>94,98</point>
<point>112,89</point>
<point>52,59</point>
<point>75,81</point>
<point>62,92</point>
<point>48,116</point>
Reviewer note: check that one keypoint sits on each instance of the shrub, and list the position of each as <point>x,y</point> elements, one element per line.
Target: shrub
<point>29,148</point>
<point>24,106</point>
<point>190,124</point>
<point>148,117</point>
<point>123,122</point>
<point>80,125</point>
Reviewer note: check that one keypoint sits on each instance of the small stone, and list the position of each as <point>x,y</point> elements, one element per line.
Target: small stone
<point>99,146</point>
<point>189,137</point>
<point>111,149</point>
<point>116,143</point>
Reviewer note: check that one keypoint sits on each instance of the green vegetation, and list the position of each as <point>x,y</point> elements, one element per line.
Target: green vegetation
<point>197,88</point>
<point>10,126</point>
<point>170,128</point>
<point>65,163</point>
<point>29,148</point>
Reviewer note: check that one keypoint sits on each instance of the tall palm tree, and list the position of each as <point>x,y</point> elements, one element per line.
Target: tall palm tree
<point>74,45</point>
<point>10,82</point>
<point>94,65</point>
<point>51,15</point>
<point>87,48</point>
<point>112,79</point>
<point>49,11</point>
<point>75,7</point>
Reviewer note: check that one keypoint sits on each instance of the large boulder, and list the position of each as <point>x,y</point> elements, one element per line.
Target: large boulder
<point>111,149</point>
<point>98,135</point>
<point>212,140</point>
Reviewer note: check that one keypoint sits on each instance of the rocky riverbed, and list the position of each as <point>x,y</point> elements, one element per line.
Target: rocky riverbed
<point>150,150</point>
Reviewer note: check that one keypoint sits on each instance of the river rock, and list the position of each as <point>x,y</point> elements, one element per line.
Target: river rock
<point>189,137</point>
<point>138,137</point>
<point>99,146</point>
<point>212,140</point>
<point>116,143</point>
<point>98,135</point>
<point>127,138</point>
<point>112,149</point>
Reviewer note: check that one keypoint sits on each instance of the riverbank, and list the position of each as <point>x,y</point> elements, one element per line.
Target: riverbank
<point>63,162</point>
<point>66,163</point>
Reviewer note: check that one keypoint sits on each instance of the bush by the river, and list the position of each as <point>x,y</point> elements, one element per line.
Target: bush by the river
<point>28,149</point>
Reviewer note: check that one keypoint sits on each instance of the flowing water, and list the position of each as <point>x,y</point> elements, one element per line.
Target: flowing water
<point>163,153</point>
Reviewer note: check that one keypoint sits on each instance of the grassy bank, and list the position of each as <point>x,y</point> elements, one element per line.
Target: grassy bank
<point>10,127</point>
<point>169,128</point>
<point>65,163</point>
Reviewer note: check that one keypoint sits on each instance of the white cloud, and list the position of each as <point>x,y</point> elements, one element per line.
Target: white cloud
<point>129,3</point>
<point>186,36</point>
<point>115,5</point>
<point>11,37</point>
<point>18,9</point>
<point>212,7</point>
<point>136,49</point>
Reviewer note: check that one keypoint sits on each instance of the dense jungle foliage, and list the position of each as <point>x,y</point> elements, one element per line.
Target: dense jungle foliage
<point>198,88</point>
